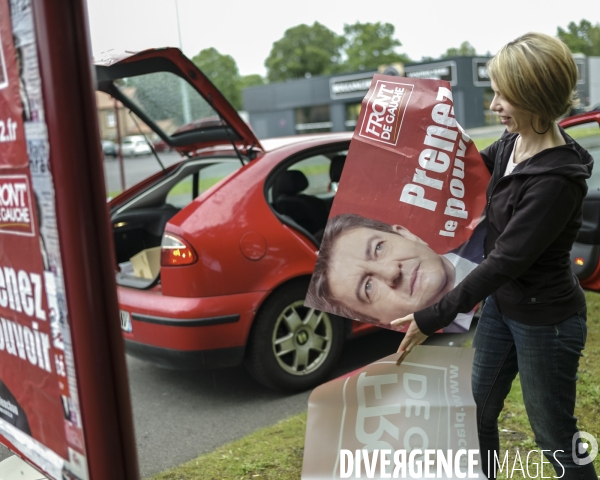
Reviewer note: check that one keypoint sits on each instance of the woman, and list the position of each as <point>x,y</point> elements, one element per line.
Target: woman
<point>533,321</point>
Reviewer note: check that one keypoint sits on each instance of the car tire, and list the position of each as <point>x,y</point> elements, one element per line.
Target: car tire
<point>292,347</point>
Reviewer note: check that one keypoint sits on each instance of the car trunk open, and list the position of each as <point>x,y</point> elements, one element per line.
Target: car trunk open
<point>139,223</point>
<point>175,99</point>
<point>168,93</point>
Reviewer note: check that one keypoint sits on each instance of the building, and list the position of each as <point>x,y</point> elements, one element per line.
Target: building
<point>332,103</point>
<point>129,124</point>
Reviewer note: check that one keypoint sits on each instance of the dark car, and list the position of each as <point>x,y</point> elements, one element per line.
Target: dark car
<point>109,148</point>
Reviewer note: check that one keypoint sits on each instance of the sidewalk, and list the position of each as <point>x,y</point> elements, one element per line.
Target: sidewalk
<point>13,468</point>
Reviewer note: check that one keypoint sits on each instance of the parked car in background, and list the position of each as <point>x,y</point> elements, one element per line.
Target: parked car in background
<point>585,255</point>
<point>109,148</point>
<point>134,146</point>
<point>232,231</point>
<point>576,110</point>
<point>161,146</point>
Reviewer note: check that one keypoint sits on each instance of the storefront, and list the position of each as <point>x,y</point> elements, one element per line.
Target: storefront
<point>332,103</point>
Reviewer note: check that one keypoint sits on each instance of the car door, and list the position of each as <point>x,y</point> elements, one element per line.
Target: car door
<point>585,255</point>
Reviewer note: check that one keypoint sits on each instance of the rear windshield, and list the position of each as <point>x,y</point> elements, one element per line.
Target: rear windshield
<point>169,101</point>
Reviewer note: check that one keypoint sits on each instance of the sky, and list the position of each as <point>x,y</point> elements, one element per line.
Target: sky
<point>246,29</point>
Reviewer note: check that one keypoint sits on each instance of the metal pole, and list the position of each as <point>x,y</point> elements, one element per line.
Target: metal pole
<point>119,152</point>
<point>85,239</point>
<point>185,100</point>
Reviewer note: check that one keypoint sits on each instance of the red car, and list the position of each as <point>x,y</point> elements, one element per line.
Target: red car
<point>230,234</point>
<point>236,225</point>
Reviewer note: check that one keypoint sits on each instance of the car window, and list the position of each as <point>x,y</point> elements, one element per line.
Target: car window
<point>316,170</point>
<point>183,192</point>
<point>588,136</point>
<point>169,101</point>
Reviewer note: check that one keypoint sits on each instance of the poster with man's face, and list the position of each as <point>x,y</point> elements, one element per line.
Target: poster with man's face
<point>405,226</point>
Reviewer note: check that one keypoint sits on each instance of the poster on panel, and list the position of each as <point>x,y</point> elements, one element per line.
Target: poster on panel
<point>39,408</point>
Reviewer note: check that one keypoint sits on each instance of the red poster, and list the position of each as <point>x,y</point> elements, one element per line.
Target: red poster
<point>39,407</point>
<point>12,138</point>
<point>30,397</point>
<point>411,415</point>
<point>405,226</point>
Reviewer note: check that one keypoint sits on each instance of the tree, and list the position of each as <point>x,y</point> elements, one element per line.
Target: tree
<point>583,38</point>
<point>465,50</point>
<point>304,51</point>
<point>251,80</point>
<point>223,72</point>
<point>369,45</point>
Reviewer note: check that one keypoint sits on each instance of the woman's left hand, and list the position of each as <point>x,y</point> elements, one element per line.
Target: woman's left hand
<point>413,336</point>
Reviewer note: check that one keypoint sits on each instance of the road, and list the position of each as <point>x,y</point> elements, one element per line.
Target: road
<point>136,169</point>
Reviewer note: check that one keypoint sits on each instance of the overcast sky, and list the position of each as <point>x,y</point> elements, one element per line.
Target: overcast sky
<point>246,29</point>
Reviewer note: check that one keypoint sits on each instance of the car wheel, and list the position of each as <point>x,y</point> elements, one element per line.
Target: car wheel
<point>293,347</point>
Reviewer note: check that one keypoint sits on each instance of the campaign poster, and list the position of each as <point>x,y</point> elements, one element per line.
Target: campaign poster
<point>39,407</point>
<point>13,152</point>
<point>416,420</point>
<point>406,222</point>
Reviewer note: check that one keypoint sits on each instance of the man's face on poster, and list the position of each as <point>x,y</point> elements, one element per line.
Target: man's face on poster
<point>386,275</point>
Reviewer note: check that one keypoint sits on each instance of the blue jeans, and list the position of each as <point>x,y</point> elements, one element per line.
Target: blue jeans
<point>546,357</point>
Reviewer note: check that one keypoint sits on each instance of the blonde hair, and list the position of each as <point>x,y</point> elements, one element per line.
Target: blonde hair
<point>536,73</point>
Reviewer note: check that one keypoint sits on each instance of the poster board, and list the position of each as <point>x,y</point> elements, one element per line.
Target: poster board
<point>413,411</point>
<point>40,417</point>
<point>405,226</point>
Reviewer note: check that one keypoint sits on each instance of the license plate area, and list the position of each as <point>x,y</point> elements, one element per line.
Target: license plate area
<point>125,321</point>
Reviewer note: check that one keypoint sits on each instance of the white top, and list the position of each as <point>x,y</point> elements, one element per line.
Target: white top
<point>510,166</point>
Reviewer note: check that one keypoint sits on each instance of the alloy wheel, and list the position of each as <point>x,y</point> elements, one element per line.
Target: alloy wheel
<point>301,339</point>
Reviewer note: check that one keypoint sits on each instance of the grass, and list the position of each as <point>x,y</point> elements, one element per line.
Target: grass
<point>481,143</point>
<point>310,170</point>
<point>182,188</point>
<point>276,452</point>
<point>583,131</point>
<point>272,453</point>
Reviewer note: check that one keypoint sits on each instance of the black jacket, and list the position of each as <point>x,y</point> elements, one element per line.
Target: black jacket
<point>534,215</point>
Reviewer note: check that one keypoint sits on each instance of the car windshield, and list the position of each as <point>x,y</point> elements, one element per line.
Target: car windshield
<point>169,101</point>
<point>588,136</point>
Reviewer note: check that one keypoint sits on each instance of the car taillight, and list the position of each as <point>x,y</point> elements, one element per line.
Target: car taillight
<point>176,251</point>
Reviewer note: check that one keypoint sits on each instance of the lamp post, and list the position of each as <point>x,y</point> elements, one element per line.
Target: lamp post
<point>185,100</point>
<point>119,144</point>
